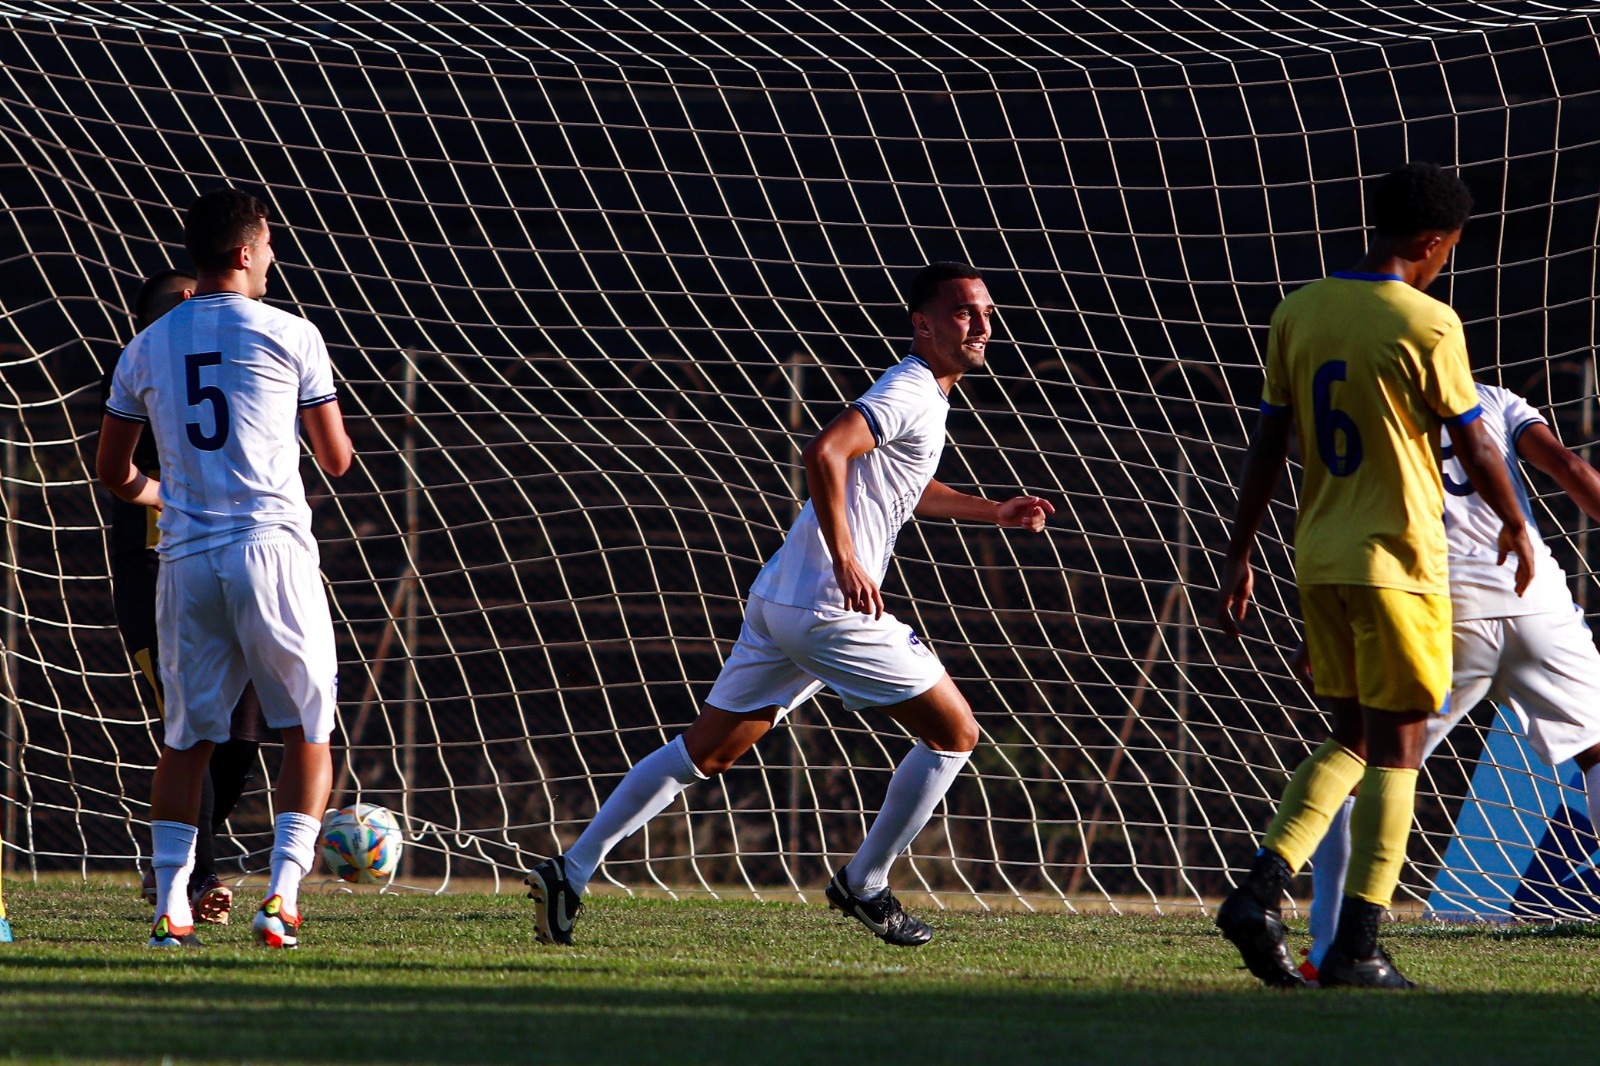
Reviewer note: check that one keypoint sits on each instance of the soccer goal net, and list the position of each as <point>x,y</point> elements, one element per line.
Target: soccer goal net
<point>591,274</point>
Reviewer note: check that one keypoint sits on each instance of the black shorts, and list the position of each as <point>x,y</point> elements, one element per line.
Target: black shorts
<point>133,593</point>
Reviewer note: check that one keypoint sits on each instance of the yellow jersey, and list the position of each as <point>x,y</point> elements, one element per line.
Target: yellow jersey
<point>1369,367</point>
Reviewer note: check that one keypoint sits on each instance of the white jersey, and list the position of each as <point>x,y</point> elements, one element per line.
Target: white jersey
<point>220,380</point>
<point>1478,587</point>
<point>906,411</point>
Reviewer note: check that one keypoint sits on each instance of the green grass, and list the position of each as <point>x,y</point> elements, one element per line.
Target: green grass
<point>459,979</point>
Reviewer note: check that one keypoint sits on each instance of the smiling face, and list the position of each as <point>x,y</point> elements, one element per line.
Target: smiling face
<point>952,328</point>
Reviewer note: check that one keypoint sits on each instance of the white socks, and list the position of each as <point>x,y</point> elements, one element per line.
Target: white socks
<point>172,859</point>
<point>1328,865</point>
<point>918,784</point>
<point>654,782</point>
<point>294,850</point>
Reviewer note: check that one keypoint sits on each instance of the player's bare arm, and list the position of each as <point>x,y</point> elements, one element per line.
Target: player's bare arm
<point>324,427</point>
<point>114,464</point>
<point>1263,466</point>
<point>1020,512</point>
<point>827,458</point>
<point>1486,470</point>
<point>1577,478</point>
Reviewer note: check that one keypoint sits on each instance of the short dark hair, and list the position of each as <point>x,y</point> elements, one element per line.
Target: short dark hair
<point>157,283</point>
<point>926,284</point>
<point>219,222</point>
<point>1418,198</point>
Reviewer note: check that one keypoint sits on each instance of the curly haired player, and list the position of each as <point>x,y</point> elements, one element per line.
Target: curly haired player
<point>1365,367</point>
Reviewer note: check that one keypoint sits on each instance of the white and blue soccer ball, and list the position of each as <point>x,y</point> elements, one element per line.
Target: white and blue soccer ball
<point>361,843</point>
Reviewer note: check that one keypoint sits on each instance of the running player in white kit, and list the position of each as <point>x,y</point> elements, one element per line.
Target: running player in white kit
<point>1533,653</point>
<point>815,617</point>
<point>221,381</point>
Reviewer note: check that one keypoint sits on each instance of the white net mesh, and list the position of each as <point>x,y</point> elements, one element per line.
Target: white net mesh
<point>592,272</point>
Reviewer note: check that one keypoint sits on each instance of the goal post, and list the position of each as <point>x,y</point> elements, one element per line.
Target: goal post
<point>591,274</point>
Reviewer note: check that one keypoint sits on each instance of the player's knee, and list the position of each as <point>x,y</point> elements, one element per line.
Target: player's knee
<point>713,763</point>
<point>958,734</point>
<point>711,756</point>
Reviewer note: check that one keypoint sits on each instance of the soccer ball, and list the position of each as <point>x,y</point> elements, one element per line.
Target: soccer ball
<point>361,844</point>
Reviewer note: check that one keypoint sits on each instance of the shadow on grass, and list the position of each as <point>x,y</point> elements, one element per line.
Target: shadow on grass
<point>477,1022</point>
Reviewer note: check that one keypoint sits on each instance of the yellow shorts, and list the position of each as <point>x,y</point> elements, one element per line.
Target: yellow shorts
<point>1387,648</point>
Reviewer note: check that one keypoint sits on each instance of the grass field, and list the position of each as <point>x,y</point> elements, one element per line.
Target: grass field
<point>459,979</point>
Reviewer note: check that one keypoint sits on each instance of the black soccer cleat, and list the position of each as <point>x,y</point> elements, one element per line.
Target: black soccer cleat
<point>556,905</point>
<point>882,914</point>
<point>1339,970</point>
<point>1257,931</point>
<point>1354,959</point>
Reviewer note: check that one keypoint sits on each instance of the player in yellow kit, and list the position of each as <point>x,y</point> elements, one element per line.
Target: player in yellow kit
<point>1364,366</point>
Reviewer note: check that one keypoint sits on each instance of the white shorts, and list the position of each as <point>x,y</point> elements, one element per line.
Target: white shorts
<point>1543,667</point>
<point>786,654</point>
<point>249,611</point>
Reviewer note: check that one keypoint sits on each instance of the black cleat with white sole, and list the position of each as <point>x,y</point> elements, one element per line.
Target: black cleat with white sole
<point>556,905</point>
<point>882,914</point>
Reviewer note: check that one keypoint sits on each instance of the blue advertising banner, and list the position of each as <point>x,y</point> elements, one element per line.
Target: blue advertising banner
<point>1523,841</point>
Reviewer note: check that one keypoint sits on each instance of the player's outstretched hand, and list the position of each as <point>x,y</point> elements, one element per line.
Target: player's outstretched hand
<point>1025,512</point>
<point>1233,598</point>
<point>860,591</point>
<point>1516,541</point>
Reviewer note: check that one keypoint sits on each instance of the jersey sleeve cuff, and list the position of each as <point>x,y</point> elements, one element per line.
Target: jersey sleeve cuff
<point>124,416</point>
<point>1273,410</point>
<point>318,401</point>
<point>1524,424</point>
<point>1465,416</point>
<point>872,421</point>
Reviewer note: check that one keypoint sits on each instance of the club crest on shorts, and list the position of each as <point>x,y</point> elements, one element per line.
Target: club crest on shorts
<point>916,645</point>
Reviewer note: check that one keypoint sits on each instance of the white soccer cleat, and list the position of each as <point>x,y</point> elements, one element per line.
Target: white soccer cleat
<point>275,927</point>
<point>163,934</point>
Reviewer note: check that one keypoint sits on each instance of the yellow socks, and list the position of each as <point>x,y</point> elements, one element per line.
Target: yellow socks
<point>1314,795</point>
<point>1380,825</point>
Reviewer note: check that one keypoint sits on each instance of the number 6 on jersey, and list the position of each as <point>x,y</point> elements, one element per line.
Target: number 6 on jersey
<point>1330,421</point>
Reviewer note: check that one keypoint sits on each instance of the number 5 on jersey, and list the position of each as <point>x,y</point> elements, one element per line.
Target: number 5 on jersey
<point>211,394</point>
<point>1330,421</point>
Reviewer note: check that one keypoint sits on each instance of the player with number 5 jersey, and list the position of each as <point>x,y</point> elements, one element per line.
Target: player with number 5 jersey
<point>1365,366</point>
<point>225,384</point>
<point>226,471</point>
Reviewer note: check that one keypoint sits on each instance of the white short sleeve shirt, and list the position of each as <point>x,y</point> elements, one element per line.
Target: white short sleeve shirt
<point>906,411</point>
<point>1479,587</point>
<point>221,380</point>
